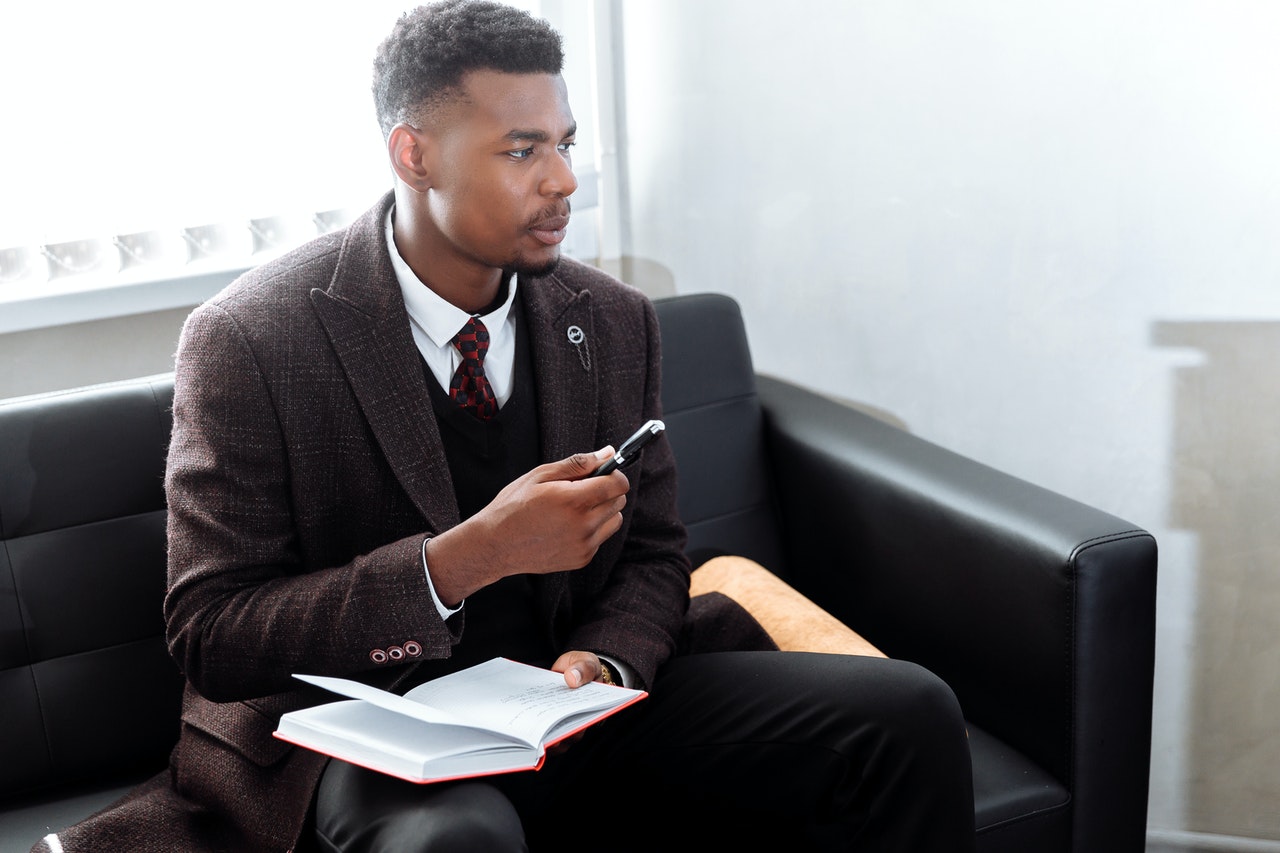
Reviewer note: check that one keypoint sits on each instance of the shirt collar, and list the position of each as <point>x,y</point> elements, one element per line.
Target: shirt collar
<point>439,319</point>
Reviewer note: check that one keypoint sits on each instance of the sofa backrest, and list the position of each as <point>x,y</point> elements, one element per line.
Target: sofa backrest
<point>716,428</point>
<point>87,688</point>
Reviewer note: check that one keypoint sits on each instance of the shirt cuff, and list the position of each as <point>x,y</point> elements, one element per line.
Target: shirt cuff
<point>444,611</point>
<point>626,673</point>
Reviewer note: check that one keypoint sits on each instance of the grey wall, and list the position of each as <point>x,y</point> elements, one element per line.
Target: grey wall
<point>1042,234</point>
<point>58,357</point>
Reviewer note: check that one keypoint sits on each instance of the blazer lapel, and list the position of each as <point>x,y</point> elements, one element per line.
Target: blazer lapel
<point>364,316</point>
<point>561,338</point>
<point>363,313</point>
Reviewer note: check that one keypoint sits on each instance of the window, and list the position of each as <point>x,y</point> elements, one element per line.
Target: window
<point>151,147</point>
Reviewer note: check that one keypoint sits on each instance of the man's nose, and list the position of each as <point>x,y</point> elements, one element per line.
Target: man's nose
<point>559,181</point>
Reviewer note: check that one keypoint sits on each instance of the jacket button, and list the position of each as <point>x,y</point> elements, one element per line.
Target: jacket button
<point>378,656</point>
<point>412,649</point>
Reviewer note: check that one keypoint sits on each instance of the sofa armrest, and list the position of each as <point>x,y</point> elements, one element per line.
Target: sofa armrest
<point>1038,610</point>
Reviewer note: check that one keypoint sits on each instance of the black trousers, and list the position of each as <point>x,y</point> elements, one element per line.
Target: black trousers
<point>784,751</point>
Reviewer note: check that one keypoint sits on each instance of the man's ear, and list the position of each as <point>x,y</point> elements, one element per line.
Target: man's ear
<point>409,149</point>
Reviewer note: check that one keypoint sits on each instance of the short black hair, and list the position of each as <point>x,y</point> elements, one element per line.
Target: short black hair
<point>423,60</point>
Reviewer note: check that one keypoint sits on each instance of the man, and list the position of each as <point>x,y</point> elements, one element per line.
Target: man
<point>358,488</point>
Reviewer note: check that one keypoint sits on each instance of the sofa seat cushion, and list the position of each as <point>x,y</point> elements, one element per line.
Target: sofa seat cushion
<point>1018,804</point>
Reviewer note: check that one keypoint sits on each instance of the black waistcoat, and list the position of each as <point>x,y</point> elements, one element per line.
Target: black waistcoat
<point>483,457</point>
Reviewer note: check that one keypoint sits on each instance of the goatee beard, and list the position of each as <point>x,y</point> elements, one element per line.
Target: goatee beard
<point>530,270</point>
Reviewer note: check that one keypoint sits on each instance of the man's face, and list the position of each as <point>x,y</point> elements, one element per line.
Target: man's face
<point>502,177</point>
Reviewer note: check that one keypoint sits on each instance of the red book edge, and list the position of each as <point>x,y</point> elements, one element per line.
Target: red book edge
<point>541,759</point>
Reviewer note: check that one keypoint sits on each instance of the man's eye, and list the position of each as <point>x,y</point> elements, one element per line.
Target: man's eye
<point>565,146</point>
<point>521,154</point>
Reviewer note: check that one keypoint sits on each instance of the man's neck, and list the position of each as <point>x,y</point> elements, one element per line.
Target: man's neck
<point>468,285</point>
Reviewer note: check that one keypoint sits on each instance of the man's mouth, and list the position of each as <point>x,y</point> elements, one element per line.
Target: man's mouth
<point>550,231</point>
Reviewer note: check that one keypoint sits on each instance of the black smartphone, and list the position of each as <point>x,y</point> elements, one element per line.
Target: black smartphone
<point>630,449</point>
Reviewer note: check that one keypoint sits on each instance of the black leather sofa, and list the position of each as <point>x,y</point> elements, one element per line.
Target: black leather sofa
<point>1038,610</point>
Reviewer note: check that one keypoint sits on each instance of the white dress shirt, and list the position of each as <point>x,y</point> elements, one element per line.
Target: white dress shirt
<point>434,322</point>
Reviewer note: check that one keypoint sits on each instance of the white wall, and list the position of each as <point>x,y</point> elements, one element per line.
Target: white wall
<point>1043,234</point>
<point>1046,235</point>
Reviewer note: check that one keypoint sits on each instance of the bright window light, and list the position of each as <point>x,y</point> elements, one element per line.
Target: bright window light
<point>143,137</point>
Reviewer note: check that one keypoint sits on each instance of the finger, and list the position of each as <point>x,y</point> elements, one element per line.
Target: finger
<point>608,525</point>
<point>579,668</point>
<point>585,464</point>
<point>607,506</point>
<point>574,467</point>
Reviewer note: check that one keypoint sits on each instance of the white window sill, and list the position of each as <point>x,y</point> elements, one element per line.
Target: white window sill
<point>62,300</point>
<point>78,299</point>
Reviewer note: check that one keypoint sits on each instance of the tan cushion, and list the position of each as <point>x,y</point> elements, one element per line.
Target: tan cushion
<point>793,621</point>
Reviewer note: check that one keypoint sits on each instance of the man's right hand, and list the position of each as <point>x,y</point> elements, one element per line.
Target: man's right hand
<point>552,519</point>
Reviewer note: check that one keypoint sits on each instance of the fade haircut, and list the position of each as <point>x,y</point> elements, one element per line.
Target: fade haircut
<point>421,63</point>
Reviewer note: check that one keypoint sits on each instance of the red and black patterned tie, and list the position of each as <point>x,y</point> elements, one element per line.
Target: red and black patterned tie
<point>470,388</point>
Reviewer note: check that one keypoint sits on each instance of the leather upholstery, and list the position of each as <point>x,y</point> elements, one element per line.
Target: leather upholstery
<point>1038,610</point>
<point>87,688</point>
<point>716,429</point>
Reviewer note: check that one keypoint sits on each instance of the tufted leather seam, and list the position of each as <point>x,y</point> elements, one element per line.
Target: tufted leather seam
<point>107,520</point>
<point>722,401</point>
<point>1073,673</point>
<point>26,643</point>
<point>69,392</point>
<point>29,665</point>
<point>1070,634</point>
<point>96,649</point>
<point>1023,818</point>
<point>1119,536</point>
<point>730,514</point>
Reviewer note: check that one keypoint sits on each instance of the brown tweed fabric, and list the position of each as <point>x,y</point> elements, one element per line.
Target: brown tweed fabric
<point>304,472</point>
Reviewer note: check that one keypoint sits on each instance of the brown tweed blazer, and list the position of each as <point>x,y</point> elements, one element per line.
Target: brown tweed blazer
<point>304,472</point>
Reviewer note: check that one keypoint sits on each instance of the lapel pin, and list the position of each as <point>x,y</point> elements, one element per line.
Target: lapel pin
<point>579,340</point>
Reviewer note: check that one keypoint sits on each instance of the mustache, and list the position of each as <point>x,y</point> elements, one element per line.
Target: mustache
<point>559,210</point>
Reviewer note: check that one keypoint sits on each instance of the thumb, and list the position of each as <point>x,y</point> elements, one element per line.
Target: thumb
<point>581,465</point>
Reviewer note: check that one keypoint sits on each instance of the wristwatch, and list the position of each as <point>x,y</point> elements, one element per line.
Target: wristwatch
<point>606,674</point>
